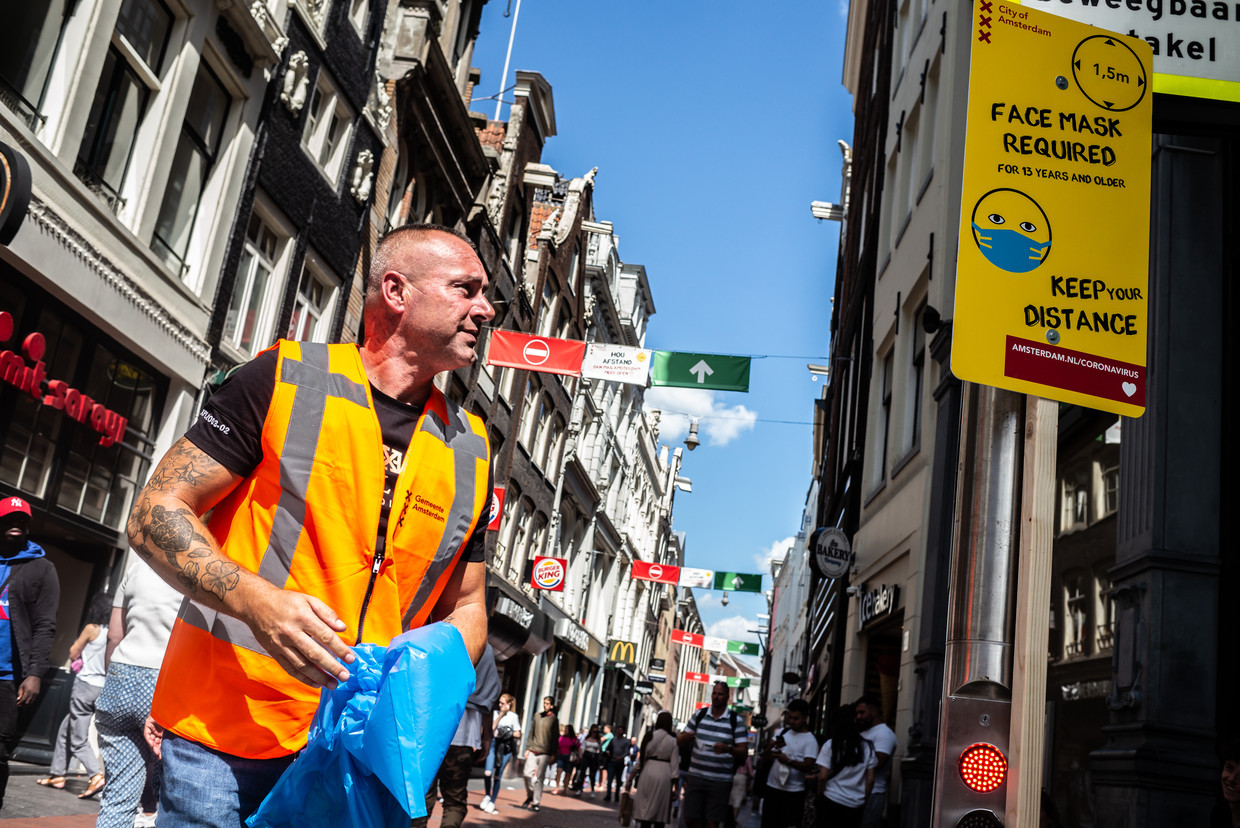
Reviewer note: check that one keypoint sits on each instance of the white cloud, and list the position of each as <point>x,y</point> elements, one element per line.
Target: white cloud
<point>844,9</point>
<point>736,628</point>
<point>718,424</point>
<point>703,598</point>
<point>775,552</point>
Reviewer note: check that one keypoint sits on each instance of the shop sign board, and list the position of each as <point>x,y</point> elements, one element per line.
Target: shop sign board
<point>622,654</point>
<point>549,573</point>
<point>1196,43</point>
<point>879,603</point>
<point>831,552</point>
<point>1052,275</point>
<point>497,508</point>
<point>56,393</point>
<point>14,191</point>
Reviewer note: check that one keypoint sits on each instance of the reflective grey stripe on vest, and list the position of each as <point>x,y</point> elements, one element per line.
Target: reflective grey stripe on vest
<point>301,441</point>
<point>224,627</point>
<point>467,449</point>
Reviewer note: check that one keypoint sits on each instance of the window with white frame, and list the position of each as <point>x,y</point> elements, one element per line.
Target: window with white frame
<point>1110,489</point>
<point>197,149</point>
<point>29,42</point>
<point>316,299</point>
<point>252,307</point>
<point>130,75</point>
<point>925,147</point>
<point>359,11</point>
<point>916,379</point>
<point>329,125</point>
<point>882,430</point>
<point>545,316</point>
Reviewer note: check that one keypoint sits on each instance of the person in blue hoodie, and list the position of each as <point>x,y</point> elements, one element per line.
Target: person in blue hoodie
<point>29,597</point>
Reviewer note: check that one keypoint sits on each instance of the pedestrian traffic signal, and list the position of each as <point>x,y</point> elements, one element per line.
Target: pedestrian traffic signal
<point>972,773</point>
<point>983,767</point>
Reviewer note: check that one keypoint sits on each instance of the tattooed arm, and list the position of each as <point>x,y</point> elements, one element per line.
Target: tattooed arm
<point>463,605</point>
<point>299,631</point>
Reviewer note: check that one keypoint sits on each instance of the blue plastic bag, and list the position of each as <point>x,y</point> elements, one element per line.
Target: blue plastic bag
<point>378,739</point>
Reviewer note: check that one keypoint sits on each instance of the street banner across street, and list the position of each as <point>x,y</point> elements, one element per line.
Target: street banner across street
<point>693,577</point>
<point>682,637</point>
<point>713,371</point>
<point>620,363</point>
<point>1052,271</point>
<point>738,581</point>
<point>1195,54</point>
<point>659,573</point>
<point>714,643</point>
<point>546,354</point>
<point>701,678</point>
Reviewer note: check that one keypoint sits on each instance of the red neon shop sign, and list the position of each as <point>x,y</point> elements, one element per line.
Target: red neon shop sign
<point>14,370</point>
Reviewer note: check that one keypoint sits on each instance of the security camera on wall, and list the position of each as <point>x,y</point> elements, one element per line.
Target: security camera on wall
<point>853,590</point>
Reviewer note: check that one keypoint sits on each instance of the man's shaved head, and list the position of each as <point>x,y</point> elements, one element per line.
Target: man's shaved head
<point>389,253</point>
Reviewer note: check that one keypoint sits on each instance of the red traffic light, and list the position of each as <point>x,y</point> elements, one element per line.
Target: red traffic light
<point>983,767</point>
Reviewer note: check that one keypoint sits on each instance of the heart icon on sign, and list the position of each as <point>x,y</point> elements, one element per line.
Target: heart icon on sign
<point>1130,388</point>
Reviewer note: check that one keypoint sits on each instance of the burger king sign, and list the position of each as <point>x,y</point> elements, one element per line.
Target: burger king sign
<point>549,574</point>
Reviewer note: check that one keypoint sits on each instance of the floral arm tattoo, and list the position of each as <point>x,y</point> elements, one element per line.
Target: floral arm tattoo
<point>163,530</point>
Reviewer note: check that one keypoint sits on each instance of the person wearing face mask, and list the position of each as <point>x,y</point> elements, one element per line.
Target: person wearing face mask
<point>29,598</point>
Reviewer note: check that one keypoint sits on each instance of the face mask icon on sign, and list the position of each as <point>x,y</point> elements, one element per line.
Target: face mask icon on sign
<point>1011,230</point>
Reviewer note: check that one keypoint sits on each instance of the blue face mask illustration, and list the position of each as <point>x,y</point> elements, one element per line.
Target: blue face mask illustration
<point>1010,250</point>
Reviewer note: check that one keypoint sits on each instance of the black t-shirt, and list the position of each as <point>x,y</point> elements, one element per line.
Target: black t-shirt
<point>230,426</point>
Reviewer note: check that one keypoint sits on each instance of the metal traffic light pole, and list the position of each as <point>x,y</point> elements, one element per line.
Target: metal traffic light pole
<point>977,692</point>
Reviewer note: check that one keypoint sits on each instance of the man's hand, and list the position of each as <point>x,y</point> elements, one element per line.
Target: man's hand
<point>721,747</point>
<point>301,633</point>
<point>29,690</point>
<point>154,735</point>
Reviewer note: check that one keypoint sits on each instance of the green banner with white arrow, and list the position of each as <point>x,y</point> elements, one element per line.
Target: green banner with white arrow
<point>738,581</point>
<point>713,371</point>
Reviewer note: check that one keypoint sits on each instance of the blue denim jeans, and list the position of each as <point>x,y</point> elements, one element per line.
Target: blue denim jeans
<point>495,769</point>
<point>204,788</point>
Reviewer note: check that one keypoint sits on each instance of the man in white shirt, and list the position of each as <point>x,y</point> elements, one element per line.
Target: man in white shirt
<point>793,751</point>
<point>872,727</point>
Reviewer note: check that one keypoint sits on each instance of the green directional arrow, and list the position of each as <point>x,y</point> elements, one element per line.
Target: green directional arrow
<point>736,681</point>
<point>714,371</point>
<point>738,581</point>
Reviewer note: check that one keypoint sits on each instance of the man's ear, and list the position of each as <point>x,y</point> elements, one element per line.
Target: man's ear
<point>392,290</point>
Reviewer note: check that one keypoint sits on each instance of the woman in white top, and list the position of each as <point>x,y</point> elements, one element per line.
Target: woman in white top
<point>847,761</point>
<point>505,736</point>
<point>142,616</point>
<point>73,740</point>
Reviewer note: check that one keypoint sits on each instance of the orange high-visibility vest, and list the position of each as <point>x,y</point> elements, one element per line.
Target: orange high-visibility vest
<point>307,520</point>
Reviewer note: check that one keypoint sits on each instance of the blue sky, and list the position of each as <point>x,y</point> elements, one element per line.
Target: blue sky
<point>713,125</point>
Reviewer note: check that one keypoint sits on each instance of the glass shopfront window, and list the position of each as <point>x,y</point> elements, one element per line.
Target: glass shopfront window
<point>46,452</point>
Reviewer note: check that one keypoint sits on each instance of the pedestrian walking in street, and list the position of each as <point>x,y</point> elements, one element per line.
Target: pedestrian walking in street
<point>742,784</point>
<point>792,753</point>
<point>719,742</point>
<point>658,765</point>
<point>883,738</point>
<point>143,612</point>
<point>604,757</point>
<point>617,755</point>
<point>568,754</point>
<point>539,752</point>
<point>73,736</point>
<point>29,600</point>
<point>846,772</point>
<point>587,769</point>
<point>347,497</point>
<point>451,783</point>
<point>506,735</point>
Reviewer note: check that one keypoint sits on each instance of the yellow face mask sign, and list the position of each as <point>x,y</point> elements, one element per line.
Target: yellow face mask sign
<point>1052,275</point>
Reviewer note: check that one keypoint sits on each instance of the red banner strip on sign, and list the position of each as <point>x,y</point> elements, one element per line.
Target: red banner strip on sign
<point>1084,373</point>
<point>659,573</point>
<point>702,678</point>
<point>546,354</point>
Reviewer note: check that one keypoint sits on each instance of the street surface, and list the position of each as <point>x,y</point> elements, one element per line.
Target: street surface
<point>29,805</point>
